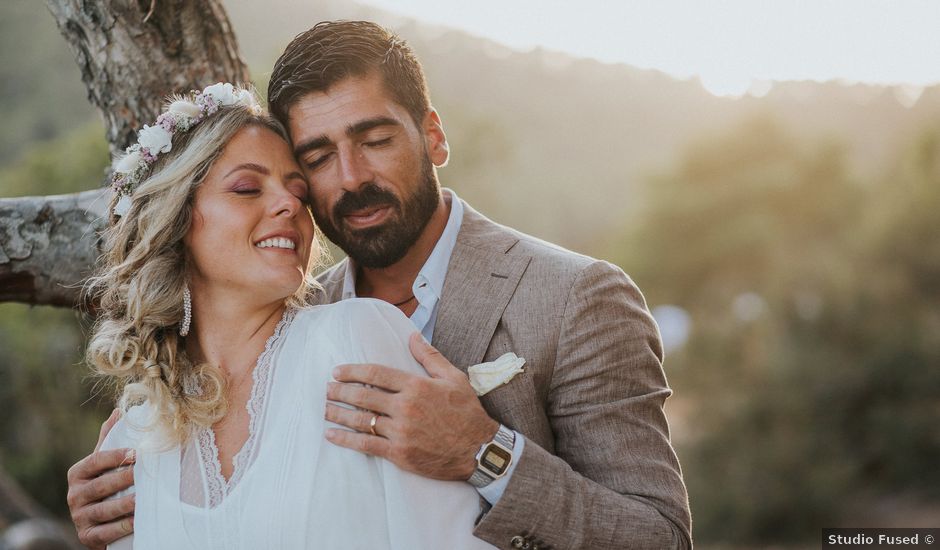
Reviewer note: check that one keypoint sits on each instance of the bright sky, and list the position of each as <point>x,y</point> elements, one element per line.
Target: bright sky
<point>732,45</point>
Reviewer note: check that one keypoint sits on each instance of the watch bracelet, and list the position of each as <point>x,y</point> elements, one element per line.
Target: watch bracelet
<point>504,437</point>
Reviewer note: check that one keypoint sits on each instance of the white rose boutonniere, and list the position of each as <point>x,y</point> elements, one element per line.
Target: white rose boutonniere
<point>487,376</point>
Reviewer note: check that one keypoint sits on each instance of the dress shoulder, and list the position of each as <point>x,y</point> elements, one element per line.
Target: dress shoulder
<point>362,316</point>
<point>128,431</point>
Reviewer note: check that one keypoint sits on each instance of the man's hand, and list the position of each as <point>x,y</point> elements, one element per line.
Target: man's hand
<point>100,522</point>
<point>430,426</point>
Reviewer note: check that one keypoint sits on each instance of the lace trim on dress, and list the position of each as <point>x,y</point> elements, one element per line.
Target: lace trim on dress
<point>216,485</point>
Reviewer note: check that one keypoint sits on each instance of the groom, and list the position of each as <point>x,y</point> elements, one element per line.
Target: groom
<point>574,451</point>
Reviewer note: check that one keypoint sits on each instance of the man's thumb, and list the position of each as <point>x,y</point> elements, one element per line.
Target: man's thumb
<point>431,359</point>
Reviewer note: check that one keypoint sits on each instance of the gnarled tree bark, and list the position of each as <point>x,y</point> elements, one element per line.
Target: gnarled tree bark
<point>132,54</point>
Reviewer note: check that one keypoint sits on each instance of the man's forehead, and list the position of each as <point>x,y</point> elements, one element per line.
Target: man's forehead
<point>352,98</point>
<point>321,118</point>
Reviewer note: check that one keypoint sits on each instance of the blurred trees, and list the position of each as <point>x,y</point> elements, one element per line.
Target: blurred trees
<point>50,420</point>
<point>811,373</point>
<point>808,388</point>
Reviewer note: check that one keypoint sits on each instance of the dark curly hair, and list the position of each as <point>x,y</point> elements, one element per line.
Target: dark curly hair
<point>332,51</point>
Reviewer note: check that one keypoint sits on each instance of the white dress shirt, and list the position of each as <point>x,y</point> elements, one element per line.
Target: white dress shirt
<point>427,289</point>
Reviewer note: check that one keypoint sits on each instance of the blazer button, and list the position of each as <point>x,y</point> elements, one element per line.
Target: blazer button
<point>517,542</point>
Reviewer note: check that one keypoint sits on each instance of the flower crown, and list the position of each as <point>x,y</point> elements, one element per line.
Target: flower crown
<point>182,115</point>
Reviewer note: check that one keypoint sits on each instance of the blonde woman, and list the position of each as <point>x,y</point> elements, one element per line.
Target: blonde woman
<point>220,365</point>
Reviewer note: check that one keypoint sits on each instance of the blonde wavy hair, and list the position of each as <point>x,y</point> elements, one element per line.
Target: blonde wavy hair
<point>137,292</point>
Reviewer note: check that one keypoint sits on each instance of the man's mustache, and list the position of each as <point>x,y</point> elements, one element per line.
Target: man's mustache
<point>369,196</point>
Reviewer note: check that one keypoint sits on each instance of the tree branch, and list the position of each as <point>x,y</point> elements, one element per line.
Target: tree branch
<point>48,245</point>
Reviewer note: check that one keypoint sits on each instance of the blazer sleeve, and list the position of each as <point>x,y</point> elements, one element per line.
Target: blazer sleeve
<point>614,481</point>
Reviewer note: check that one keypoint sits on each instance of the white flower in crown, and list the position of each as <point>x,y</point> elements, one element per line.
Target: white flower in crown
<point>223,93</point>
<point>123,205</point>
<point>243,97</point>
<point>183,107</point>
<point>182,115</point>
<point>129,162</point>
<point>155,139</point>
<point>487,376</point>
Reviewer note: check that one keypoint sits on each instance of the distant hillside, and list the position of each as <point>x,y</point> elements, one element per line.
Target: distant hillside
<point>560,146</point>
<point>557,146</point>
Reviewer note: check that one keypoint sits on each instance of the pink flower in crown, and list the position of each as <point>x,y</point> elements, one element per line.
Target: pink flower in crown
<point>167,122</point>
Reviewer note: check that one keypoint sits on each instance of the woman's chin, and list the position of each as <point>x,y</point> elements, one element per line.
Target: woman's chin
<point>284,287</point>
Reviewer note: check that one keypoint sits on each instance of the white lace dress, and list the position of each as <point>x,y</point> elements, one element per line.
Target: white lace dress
<point>290,487</point>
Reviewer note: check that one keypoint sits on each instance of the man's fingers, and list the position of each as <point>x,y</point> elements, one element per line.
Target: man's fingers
<point>359,396</point>
<point>380,376</point>
<point>107,485</point>
<point>361,421</point>
<point>97,463</point>
<point>106,427</point>
<point>364,443</point>
<point>99,536</point>
<point>107,511</point>
<point>436,364</point>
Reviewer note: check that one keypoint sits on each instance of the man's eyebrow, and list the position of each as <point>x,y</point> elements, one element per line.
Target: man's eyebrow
<point>249,166</point>
<point>351,130</point>
<point>370,123</point>
<point>311,144</point>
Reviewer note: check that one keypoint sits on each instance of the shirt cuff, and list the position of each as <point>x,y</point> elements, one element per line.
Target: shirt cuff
<point>494,491</point>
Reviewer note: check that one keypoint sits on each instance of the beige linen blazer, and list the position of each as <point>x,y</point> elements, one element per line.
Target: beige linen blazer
<point>598,470</point>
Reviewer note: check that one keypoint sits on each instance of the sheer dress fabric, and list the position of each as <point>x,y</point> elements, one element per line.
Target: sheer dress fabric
<point>290,487</point>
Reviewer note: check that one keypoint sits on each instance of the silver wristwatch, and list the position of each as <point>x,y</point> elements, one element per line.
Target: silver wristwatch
<point>493,458</point>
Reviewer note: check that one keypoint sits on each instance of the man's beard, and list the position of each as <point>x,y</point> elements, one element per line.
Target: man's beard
<point>383,245</point>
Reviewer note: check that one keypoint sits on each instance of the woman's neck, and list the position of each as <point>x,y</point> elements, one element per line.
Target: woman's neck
<point>230,331</point>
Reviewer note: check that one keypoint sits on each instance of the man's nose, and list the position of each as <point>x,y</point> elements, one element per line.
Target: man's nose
<point>354,169</point>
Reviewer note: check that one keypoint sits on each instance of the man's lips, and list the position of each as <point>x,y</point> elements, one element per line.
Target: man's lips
<point>367,216</point>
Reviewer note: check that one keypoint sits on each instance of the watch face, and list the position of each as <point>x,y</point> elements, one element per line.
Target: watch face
<point>495,459</point>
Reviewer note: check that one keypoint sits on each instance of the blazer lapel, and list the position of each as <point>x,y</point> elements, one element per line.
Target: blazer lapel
<point>481,279</point>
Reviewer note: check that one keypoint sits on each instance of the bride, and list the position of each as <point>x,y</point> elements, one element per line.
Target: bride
<point>222,367</point>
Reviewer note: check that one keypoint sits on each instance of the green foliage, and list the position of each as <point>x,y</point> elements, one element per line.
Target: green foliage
<point>49,421</point>
<point>821,402</point>
<point>42,92</point>
<point>73,162</point>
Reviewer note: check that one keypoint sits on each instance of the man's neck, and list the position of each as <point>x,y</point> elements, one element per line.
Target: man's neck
<point>393,283</point>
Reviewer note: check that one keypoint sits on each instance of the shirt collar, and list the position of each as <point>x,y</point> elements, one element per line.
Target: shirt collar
<point>434,269</point>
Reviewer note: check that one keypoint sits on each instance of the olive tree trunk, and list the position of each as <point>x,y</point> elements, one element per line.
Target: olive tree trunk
<point>132,55</point>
